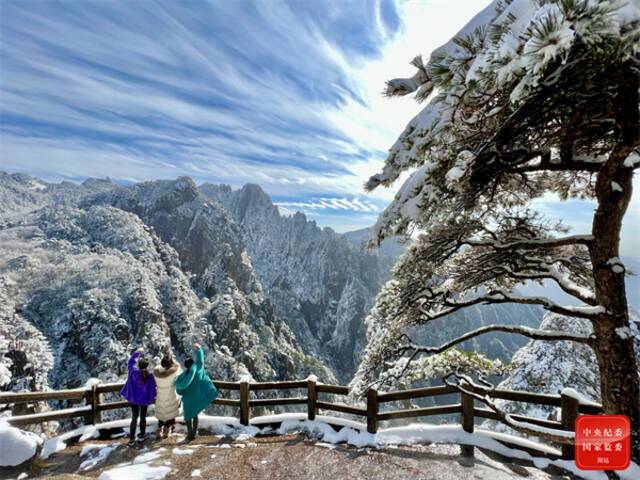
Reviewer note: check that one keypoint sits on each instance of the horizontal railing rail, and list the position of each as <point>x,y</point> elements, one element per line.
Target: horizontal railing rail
<point>93,396</point>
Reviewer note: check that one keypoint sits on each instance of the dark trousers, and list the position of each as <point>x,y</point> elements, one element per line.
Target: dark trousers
<point>192,427</point>
<point>138,410</point>
<point>166,423</point>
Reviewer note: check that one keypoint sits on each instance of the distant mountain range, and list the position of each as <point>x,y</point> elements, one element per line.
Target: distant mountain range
<point>87,271</point>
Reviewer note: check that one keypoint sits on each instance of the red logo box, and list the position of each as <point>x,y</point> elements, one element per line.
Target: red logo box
<point>603,442</point>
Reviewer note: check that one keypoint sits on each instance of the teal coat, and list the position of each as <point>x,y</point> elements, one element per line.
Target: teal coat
<point>196,388</point>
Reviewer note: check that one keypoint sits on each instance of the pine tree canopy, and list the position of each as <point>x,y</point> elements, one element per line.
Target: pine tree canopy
<point>519,103</point>
<point>523,102</point>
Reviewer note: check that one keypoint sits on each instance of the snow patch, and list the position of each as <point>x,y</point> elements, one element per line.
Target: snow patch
<point>17,446</point>
<point>616,265</point>
<point>143,471</point>
<point>91,382</point>
<point>94,460</point>
<point>86,432</point>
<point>52,446</point>
<point>632,160</point>
<point>624,333</point>
<point>90,448</point>
<point>196,473</point>
<point>149,456</point>
<point>330,446</point>
<point>181,451</point>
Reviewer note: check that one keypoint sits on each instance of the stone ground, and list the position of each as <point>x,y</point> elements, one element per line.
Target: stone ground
<point>291,457</point>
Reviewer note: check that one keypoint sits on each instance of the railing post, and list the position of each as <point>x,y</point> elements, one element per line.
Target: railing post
<point>96,414</point>
<point>466,401</point>
<point>244,402</point>
<point>569,413</point>
<point>372,410</point>
<point>312,397</point>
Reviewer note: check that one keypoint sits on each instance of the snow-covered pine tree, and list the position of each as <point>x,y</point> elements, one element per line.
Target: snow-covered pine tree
<point>531,98</point>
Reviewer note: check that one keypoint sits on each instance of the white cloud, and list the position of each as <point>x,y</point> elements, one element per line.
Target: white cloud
<point>126,104</point>
<point>350,204</point>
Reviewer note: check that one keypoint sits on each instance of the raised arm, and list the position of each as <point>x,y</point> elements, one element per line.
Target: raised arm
<point>199,357</point>
<point>131,365</point>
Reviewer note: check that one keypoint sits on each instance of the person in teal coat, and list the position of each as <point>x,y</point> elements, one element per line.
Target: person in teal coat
<point>197,390</point>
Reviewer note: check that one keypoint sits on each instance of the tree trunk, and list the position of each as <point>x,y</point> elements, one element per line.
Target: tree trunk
<point>614,349</point>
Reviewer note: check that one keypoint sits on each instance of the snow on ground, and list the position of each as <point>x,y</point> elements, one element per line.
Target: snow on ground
<point>86,449</point>
<point>17,446</point>
<point>182,451</point>
<point>58,443</point>
<point>142,467</point>
<point>98,457</point>
<point>142,471</point>
<point>321,430</point>
<point>149,456</point>
<point>330,446</point>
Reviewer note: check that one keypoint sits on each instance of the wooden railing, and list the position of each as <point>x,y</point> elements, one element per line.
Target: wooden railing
<point>93,396</point>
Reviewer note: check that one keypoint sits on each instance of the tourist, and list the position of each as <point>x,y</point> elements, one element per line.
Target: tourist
<point>167,401</point>
<point>197,390</point>
<point>140,391</point>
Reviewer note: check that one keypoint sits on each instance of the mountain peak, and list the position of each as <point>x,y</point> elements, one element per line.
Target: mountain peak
<point>254,194</point>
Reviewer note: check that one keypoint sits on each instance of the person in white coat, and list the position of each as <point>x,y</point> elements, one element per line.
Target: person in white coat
<point>167,400</point>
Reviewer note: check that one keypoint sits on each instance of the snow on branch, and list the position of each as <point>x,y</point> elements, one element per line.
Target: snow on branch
<point>447,269</point>
<point>533,242</point>
<point>532,333</point>
<point>500,296</point>
<point>414,351</point>
<point>522,106</point>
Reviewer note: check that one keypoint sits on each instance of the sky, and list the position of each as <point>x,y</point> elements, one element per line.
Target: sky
<point>284,94</point>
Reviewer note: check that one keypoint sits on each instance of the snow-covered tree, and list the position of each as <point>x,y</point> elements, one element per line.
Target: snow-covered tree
<point>531,98</point>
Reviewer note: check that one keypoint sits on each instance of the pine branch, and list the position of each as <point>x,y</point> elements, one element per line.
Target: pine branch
<point>533,242</point>
<point>535,334</point>
<point>590,312</point>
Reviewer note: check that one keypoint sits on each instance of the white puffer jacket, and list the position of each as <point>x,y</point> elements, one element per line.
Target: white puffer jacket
<point>167,400</point>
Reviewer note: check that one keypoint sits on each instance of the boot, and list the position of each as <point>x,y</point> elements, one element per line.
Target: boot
<point>191,434</point>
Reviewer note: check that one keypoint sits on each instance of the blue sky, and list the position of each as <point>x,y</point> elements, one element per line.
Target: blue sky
<point>283,94</point>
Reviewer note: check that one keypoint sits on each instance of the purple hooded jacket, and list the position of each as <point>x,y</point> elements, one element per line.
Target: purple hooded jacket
<point>134,390</point>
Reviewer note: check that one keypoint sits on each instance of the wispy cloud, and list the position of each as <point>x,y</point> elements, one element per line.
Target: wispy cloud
<point>286,94</point>
<point>352,204</point>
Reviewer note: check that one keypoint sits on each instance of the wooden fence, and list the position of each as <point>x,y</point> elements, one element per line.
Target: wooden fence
<point>92,410</point>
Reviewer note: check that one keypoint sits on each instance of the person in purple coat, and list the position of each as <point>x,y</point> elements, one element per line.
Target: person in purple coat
<point>140,392</point>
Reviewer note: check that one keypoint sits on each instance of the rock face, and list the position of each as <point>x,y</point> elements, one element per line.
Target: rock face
<point>316,279</point>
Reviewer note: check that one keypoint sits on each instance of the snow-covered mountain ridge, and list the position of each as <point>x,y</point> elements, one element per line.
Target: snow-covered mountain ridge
<point>92,279</point>
<point>103,267</point>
